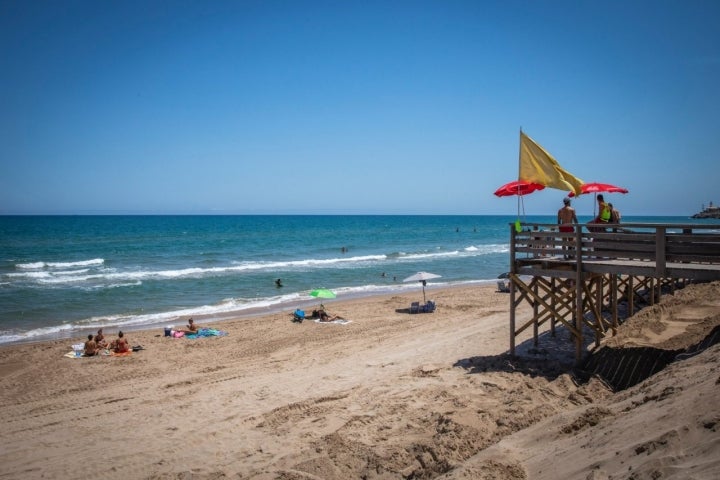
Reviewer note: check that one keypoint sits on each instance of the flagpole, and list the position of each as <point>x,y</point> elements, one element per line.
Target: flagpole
<point>519,151</point>
<point>519,156</point>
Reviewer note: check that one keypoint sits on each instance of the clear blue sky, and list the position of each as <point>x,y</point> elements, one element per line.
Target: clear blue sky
<point>368,107</point>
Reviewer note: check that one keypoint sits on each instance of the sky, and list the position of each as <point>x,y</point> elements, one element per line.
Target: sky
<point>354,107</point>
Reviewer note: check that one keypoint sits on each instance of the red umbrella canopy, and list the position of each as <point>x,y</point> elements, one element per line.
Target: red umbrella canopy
<point>598,188</point>
<point>518,187</point>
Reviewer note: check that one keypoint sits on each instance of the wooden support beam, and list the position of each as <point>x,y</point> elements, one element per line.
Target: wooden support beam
<point>579,280</point>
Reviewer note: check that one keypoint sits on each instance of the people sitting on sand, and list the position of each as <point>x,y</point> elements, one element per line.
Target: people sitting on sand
<point>192,327</point>
<point>120,344</point>
<point>91,348</point>
<point>100,340</point>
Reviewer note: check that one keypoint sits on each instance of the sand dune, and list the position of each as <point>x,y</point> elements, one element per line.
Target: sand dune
<point>389,395</point>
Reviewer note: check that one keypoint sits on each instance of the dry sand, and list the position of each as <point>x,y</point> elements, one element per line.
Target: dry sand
<point>389,395</point>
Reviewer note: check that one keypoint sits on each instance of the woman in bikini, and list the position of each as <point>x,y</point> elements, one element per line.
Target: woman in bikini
<point>120,345</point>
<point>100,339</point>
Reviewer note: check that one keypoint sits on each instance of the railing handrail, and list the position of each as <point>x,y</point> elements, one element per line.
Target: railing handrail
<point>660,243</point>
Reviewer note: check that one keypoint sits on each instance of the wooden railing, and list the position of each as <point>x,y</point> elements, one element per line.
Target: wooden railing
<point>658,250</point>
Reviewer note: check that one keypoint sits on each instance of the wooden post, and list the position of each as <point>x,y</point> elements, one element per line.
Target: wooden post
<point>578,294</point>
<point>512,290</point>
<point>660,260</point>
<point>614,301</point>
<point>535,316</point>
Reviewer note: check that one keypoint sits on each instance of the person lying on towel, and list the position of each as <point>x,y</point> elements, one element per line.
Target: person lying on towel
<point>324,316</point>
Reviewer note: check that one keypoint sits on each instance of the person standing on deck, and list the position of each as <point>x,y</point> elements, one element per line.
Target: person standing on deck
<point>566,218</point>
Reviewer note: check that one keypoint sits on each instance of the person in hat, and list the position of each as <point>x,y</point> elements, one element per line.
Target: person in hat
<point>566,218</point>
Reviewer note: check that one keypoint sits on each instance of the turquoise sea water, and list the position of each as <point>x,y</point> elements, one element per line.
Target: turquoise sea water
<point>66,276</point>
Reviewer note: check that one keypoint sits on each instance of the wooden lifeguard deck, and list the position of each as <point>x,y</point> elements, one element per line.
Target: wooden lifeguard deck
<point>578,279</point>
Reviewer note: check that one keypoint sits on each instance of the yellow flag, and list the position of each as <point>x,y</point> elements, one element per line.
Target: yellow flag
<point>537,165</point>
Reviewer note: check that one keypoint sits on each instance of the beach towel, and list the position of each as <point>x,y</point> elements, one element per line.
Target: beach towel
<point>338,321</point>
<point>79,354</point>
<point>205,332</point>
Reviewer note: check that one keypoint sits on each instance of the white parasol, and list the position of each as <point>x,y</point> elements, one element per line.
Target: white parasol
<point>422,277</point>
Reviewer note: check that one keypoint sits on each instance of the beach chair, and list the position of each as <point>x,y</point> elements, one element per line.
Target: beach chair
<point>429,307</point>
<point>503,287</point>
<point>298,315</point>
<point>415,307</point>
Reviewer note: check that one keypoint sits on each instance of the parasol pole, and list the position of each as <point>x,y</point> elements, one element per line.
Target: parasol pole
<point>594,204</point>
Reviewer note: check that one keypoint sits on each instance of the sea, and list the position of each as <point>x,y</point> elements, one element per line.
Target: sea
<point>67,276</point>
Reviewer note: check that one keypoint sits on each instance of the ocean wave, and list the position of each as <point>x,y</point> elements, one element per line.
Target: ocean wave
<point>88,275</point>
<point>116,285</point>
<point>309,262</point>
<point>31,266</point>
<point>41,265</point>
<point>8,336</point>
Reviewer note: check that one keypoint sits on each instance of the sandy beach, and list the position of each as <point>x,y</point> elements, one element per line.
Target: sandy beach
<point>388,395</point>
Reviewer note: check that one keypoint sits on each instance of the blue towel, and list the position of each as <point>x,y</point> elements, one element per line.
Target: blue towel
<point>206,332</point>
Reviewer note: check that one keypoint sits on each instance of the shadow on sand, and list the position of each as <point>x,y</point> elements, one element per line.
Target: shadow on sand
<point>618,368</point>
<point>553,356</point>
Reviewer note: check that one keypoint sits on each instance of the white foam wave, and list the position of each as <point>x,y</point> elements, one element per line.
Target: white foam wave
<point>425,256</point>
<point>41,265</point>
<point>117,285</point>
<point>309,262</point>
<point>30,266</point>
<point>86,263</point>
<point>93,277</point>
<point>35,334</point>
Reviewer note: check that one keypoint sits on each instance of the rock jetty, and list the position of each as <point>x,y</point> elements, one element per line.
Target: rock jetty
<point>711,211</point>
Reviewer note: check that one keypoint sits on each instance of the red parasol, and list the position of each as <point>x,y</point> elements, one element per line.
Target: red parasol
<point>598,188</point>
<point>518,187</point>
